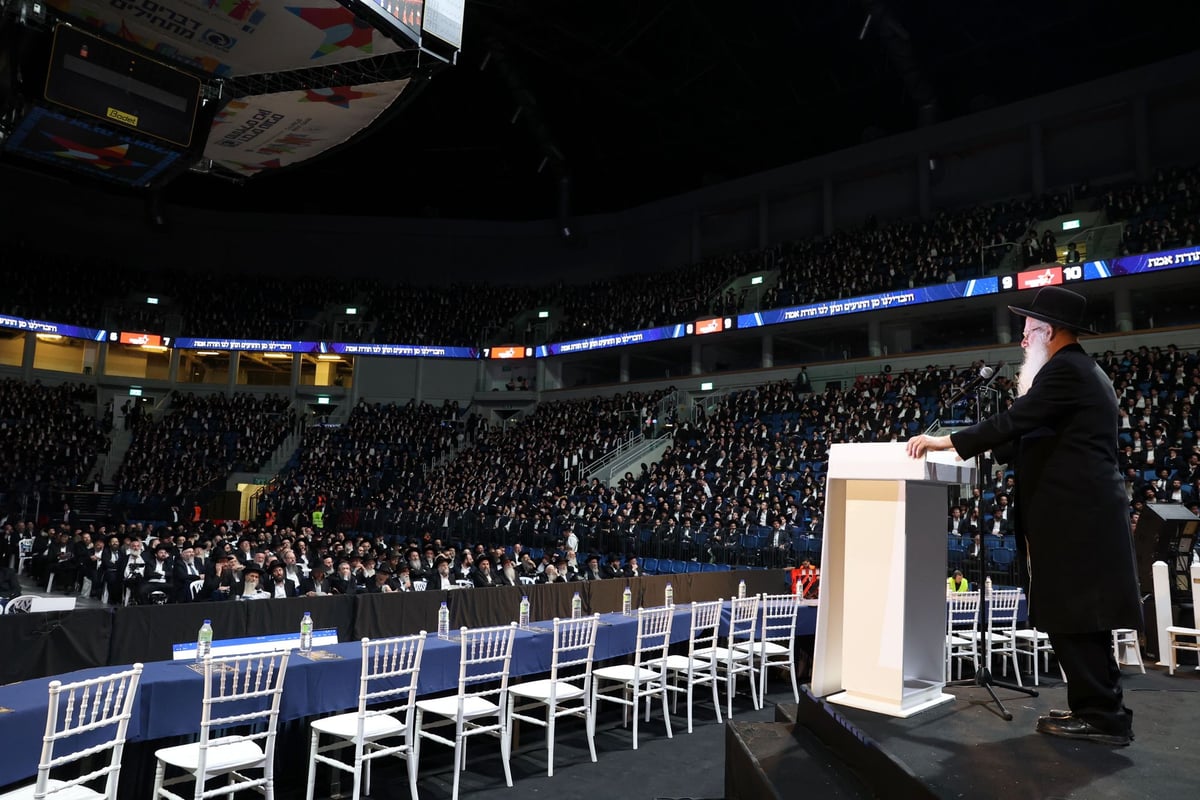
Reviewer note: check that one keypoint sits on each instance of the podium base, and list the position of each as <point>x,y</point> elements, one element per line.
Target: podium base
<point>913,702</point>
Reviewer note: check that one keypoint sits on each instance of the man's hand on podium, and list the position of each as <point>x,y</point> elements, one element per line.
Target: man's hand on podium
<point>920,444</point>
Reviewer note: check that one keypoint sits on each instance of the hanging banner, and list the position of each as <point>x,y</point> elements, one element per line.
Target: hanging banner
<point>229,38</point>
<point>272,131</point>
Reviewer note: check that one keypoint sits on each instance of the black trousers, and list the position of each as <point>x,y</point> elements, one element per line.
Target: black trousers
<point>1093,679</point>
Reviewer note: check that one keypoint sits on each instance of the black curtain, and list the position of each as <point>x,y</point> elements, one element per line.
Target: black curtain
<point>481,608</point>
<point>53,642</point>
<point>397,613</point>
<point>264,617</point>
<point>146,633</point>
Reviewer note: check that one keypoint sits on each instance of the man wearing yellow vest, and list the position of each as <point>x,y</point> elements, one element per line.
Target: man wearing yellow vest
<point>957,583</point>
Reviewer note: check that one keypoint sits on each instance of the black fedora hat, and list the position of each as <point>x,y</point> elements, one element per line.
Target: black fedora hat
<point>1058,306</point>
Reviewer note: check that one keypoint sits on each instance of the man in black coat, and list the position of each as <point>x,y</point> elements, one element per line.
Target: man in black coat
<point>442,577</point>
<point>1071,509</point>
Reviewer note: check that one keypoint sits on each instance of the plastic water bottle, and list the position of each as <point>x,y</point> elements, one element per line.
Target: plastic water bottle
<point>670,594</point>
<point>741,590</point>
<point>523,619</point>
<point>306,633</point>
<point>204,641</point>
<point>987,586</point>
<point>627,602</point>
<point>444,621</point>
<point>576,606</point>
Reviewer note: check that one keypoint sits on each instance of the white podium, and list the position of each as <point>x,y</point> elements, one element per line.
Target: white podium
<point>881,621</point>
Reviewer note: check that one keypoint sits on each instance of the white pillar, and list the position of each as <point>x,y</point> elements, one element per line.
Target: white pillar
<point>1162,610</point>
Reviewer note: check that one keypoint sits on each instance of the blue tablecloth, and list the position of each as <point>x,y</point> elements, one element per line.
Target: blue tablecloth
<point>169,695</point>
<point>168,700</point>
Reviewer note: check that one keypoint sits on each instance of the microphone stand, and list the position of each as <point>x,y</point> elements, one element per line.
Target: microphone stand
<point>983,675</point>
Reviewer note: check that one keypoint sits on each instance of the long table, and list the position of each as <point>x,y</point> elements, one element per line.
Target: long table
<point>169,695</point>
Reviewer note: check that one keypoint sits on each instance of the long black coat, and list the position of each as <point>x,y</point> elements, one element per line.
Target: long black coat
<point>1072,514</point>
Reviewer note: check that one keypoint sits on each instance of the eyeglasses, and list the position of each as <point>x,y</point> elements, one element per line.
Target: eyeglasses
<point>1025,336</point>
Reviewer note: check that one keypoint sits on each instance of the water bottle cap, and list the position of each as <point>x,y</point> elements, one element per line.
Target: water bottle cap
<point>208,622</point>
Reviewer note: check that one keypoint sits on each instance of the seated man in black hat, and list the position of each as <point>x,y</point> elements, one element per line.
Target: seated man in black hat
<point>592,570</point>
<point>251,588</point>
<point>225,579</point>
<point>441,578</point>
<point>381,581</point>
<point>482,576</point>
<point>278,584</point>
<point>158,579</point>
<point>316,584</point>
<point>507,574</point>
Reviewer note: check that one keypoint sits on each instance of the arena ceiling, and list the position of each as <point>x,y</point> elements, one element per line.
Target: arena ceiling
<point>557,106</point>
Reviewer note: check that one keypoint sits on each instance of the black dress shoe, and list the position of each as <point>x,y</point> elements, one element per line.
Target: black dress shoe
<point>1076,728</point>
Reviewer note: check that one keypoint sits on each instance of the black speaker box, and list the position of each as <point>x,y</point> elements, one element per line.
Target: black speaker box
<point>123,87</point>
<point>1165,532</point>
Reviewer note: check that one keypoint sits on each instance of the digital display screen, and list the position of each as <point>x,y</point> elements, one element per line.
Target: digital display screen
<point>249,345</point>
<point>403,350</point>
<point>405,16</point>
<point>1037,278</point>
<point>41,326</point>
<point>150,339</point>
<point>92,147</point>
<point>976,287</point>
<point>612,340</point>
<point>509,351</point>
<point>714,325</point>
<point>444,19</point>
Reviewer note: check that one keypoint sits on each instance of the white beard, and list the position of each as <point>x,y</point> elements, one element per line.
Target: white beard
<point>1037,353</point>
<point>511,574</point>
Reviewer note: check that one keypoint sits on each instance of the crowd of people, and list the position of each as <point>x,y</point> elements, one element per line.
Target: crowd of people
<point>196,445</point>
<point>875,257</point>
<point>49,441</point>
<point>144,564</point>
<point>742,481</point>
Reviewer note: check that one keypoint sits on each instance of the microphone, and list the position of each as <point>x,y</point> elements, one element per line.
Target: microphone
<point>982,380</point>
<point>995,374</point>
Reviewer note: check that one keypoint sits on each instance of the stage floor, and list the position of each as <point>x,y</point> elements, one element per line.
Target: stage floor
<point>965,749</point>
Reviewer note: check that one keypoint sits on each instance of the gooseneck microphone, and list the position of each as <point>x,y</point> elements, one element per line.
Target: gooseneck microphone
<point>983,379</point>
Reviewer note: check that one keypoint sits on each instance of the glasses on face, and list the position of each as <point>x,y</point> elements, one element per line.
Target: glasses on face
<point>1027,334</point>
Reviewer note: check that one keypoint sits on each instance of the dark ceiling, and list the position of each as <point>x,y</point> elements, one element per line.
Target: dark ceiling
<point>563,105</point>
